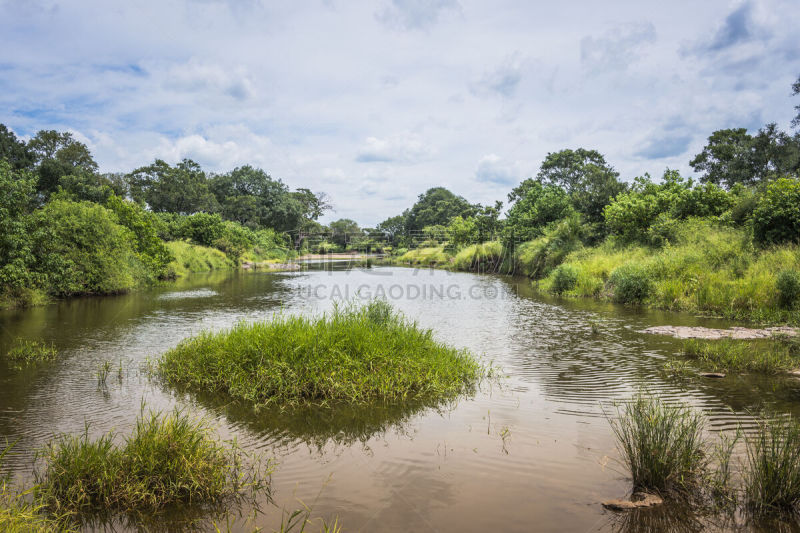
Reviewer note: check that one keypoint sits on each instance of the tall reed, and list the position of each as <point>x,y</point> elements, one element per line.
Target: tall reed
<point>661,444</point>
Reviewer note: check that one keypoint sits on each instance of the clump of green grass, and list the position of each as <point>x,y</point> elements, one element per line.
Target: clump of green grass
<point>353,354</point>
<point>18,514</point>
<point>772,476</point>
<point>661,444</point>
<point>168,460</point>
<point>26,352</point>
<point>762,356</point>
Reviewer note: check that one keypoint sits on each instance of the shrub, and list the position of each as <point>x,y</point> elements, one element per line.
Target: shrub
<point>565,277</point>
<point>631,284</point>
<point>661,444</point>
<point>355,355</point>
<point>82,249</point>
<point>144,225</point>
<point>788,287</point>
<point>776,218</point>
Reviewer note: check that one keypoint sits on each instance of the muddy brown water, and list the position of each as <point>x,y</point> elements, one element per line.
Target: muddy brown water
<point>533,452</point>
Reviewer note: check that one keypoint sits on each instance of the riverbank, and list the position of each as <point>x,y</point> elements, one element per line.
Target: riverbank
<point>707,269</point>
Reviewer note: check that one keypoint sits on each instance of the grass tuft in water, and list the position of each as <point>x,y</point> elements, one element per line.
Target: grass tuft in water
<point>354,355</point>
<point>773,356</point>
<point>26,352</point>
<point>19,513</point>
<point>168,460</point>
<point>661,444</point>
<point>772,473</point>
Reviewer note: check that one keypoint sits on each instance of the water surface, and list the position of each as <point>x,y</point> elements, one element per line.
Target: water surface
<point>532,453</point>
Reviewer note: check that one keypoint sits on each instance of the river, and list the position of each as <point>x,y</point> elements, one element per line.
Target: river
<point>532,451</point>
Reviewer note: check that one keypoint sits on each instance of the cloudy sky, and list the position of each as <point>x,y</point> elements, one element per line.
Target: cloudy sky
<point>374,102</point>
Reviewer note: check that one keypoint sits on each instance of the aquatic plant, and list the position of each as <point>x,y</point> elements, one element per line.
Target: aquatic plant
<point>28,352</point>
<point>661,444</point>
<point>168,460</point>
<point>727,355</point>
<point>352,354</point>
<point>20,515</point>
<point>772,473</point>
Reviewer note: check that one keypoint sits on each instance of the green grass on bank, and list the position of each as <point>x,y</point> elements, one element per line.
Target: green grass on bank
<point>352,354</point>
<point>193,258</point>
<point>486,257</point>
<point>431,256</point>
<point>764,356</point>
<point>168,460</point>
<point>709,269</point>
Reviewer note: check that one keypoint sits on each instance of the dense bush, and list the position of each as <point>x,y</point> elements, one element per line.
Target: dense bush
<point>631,284</point>
<point>788,286</point>
<point>151,250</point>
<point>565,277</point>
<point>82,249</point>
<point>17,191</point>
<point>632,214</point>
<point>776,218</point>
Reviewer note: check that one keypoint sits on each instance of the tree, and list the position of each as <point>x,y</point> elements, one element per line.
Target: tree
<point>344,230</point>
<point>252,197</point>
<point>586,176</point>
<point>535,205</point>
<point>435,208</point>
<point>17,193</point>
<point>181,189</point>
<point>733,156</point>
<point>776,218</point>
<point>487,221</point>
<point>58,154</point>
<point>14,150</point>
<point>394,228</point>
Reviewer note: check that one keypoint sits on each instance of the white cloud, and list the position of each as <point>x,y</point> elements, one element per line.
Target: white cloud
<point>470,96</point>
<point>399,149</point>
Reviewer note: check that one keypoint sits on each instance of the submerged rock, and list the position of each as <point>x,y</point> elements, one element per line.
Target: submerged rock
<point>696,332</point>
<point>715,375</point>
<point>638,499</point>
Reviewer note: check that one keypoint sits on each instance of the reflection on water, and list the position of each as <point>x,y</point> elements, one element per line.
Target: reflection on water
<point>534,454</point>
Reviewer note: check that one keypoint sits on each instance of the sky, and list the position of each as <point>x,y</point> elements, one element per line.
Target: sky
<point>375,102</point>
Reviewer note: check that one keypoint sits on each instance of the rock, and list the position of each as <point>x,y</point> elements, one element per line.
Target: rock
<point>715,375</point>
<point>639,499</point>
<point>645,499</point>
<point>619,505</point>
<point>739,333</point>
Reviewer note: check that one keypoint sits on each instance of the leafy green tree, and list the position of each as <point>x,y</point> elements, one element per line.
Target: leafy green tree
<point>462,232</point>
<point>343,231</point>
<point>253,198</point>
<point>57,154</point>
<point>181,189</point>
<point>586,176</point>
<point>17,194</point>
<point>733,156</point>
<point>14,150</point>
<point>776,218</point>
<point>436,207</point>
<point>394,228</point>
<point>81,249</point>
<point>535,205</point>
<point>487,221</point>
<point>632,214</point>
<point>151,250</point>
